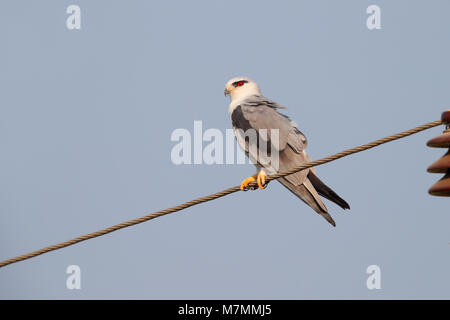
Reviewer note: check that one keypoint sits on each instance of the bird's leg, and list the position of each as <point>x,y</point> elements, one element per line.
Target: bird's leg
<point>260,177</point>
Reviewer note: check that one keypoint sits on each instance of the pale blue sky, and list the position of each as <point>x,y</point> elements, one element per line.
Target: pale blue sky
<point>85,124</point>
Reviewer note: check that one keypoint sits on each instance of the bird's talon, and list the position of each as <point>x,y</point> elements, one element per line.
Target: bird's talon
<point>246,182</point>
<point>261,179</point>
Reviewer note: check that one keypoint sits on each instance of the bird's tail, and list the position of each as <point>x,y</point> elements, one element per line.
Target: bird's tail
<point>326,191</point>
<point>308,194</point>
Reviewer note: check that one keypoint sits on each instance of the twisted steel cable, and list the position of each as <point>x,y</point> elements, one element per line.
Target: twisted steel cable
<point>219,194</point>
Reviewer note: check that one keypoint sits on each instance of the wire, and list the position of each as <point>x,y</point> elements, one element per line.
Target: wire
<point>218,194</point>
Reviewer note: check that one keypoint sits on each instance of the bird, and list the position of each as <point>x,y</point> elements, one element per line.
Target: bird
<point>251,111</point>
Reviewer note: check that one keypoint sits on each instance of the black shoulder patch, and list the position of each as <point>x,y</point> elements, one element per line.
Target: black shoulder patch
<point>238,120</point>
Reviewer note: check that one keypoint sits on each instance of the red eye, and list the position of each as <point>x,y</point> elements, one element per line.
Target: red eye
<point>240,84</point>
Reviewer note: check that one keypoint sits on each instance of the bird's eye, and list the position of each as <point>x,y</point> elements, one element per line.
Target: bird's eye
<point>239,83</point>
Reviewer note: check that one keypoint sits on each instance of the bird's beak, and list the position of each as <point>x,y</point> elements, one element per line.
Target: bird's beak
<point>226,92</point>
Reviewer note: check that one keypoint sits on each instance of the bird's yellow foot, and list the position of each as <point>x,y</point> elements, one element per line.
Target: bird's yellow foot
<point>260,178</point>
<point>246,182</point>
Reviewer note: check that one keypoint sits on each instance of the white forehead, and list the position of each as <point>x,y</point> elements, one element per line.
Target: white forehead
<point>238,79</point>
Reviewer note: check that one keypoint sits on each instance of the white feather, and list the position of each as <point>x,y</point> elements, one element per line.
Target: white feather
<point>238,94</point>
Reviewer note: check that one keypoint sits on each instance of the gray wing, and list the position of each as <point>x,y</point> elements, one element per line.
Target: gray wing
<point>260,113</point>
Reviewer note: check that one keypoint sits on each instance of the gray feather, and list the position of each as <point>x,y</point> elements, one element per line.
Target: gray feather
<point>312,199</point>
<point>257,112</point>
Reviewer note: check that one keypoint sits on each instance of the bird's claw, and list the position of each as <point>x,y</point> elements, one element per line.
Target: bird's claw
<point>260,178</point>
<point>246,182</point>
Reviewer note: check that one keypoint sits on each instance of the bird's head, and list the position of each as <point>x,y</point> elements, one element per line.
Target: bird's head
<point>241,87</point>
